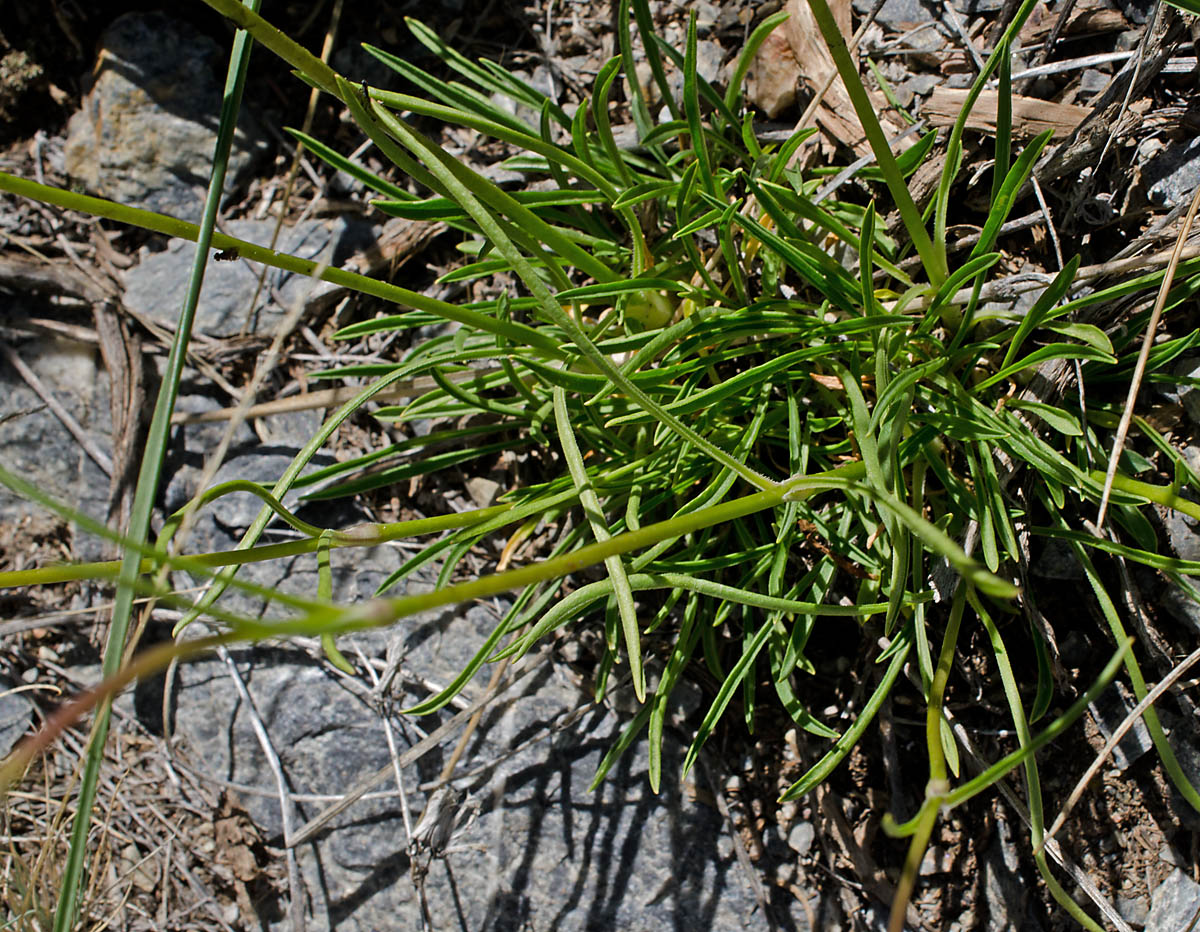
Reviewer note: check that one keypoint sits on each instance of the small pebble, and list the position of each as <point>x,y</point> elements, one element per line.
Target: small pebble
<point>801,837</point>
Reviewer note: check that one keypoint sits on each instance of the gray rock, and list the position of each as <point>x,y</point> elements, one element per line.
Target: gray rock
<point>709,55</point>
<point>1182,533</point>
<point>975,7</point>
<point>1189,395</point>
<point>1182,607</point>
<point>207,435</point>
<point>157,285</point>
<point>1134,910</point>
<point>544,851</point>
<point>483,491</point>
<point>147,128</point>
<point>221,524</point>
<point>1092,82</point>
<point>16,716</point>
<point>898,15</point>
<point>40,449</point>
<point>707,15</point>
<point>1114,704</point>
<point>1172,174</point>
<point>1173,904</point>
<point>919,85</point>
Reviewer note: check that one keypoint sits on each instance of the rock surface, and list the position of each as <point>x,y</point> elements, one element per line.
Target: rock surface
<point>548,852</point>
<point>1108,712</point>
<point>545,852</point>
<point>1006,893</point>
<point>1173,173</point>
<point>16,715</point>
<point>147,128</point>
<point>157,285</point>
<point>39,448</point>
<point>899,15</point>
<point>1174,904</point>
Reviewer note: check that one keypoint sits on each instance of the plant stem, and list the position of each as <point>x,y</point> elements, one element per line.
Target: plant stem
<point>67,914</point>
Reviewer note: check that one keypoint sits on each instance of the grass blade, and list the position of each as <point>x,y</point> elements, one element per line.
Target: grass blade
<point>66,916</point>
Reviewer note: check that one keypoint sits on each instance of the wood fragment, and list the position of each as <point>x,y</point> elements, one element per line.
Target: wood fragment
<point>1030,116</point>
<point>836,115</point>
<point>1087,141</point>
<point>773,77</point>
<point>1085,17</point>
<point>22,275</point>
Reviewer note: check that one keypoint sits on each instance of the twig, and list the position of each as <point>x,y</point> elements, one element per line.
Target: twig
<point>1037,190</point>
<point>1007,287</point>
<point>852,46</point>
<point>1134,715</point>
<point>1060,22</point>
<point>394,757</point>
<point>1055,851</point>
<point>957,24</point>
<point>286,806</point>
<point>1181,64</point>
<point>1140,368</point>
<point>1139,57</point>
<point>413,754</point>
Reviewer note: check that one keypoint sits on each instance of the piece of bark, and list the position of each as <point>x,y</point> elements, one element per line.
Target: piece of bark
<point>836,116</point>
<point>1109,115</point>
<point>121,349</point>
<point>23,274</point>
<point>1088,17</point>
<point>1030,116</point>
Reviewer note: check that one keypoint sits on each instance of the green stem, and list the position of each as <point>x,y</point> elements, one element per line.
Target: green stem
<point>1164,495</point>
<point>614,564</point>
<point>363,535</point>
<point>460,187</point>
<point>160,223</point>
<point>934,720</point>
<point>926,820</point>
<point>67,914</point>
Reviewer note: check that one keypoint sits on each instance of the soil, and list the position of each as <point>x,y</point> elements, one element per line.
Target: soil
<point>1128,824</point>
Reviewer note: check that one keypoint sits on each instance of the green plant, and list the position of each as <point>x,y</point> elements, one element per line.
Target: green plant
<point>685,332</point>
